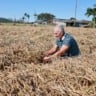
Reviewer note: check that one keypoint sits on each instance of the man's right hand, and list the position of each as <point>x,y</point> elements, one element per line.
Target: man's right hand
<point>47,59</point>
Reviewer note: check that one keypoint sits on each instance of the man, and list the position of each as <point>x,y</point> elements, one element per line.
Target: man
<point>65,45</point>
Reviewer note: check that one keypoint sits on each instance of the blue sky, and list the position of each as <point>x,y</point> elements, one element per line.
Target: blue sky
<point>60,8</point>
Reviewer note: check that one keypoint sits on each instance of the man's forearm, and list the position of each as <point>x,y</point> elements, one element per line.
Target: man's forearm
<point>54,55</point>
<point>51,51</point>
<point>58,53</point>
<point>61,51</point>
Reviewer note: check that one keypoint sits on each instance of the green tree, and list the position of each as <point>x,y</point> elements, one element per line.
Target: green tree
<point>23,18</point>
<point>27,16</point>
<point>5,20</point>
<point>92,12</point>
<point>45,17</point>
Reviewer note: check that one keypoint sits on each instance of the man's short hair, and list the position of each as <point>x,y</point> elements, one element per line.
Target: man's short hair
<point>61,27</point>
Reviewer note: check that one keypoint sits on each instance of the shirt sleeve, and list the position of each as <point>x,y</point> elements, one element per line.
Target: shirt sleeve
<point>67,42</point>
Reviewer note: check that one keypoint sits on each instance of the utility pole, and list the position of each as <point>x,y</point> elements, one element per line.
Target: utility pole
<point>75,13</point>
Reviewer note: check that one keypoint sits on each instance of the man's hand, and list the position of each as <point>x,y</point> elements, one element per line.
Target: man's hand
<point>51,51</point>
<point>46,59</point>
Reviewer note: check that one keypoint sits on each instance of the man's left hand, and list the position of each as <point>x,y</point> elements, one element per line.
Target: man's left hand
<point>47,59</point>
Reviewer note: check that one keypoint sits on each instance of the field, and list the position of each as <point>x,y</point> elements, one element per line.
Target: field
<point>23,73</point>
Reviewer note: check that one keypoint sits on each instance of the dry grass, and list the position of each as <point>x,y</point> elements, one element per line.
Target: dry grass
<point>22,72</point>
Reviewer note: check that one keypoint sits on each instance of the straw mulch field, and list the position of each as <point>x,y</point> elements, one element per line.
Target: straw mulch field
<point>23,72</point>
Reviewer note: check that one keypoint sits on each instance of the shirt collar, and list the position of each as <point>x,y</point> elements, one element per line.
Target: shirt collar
<point>63,37</point>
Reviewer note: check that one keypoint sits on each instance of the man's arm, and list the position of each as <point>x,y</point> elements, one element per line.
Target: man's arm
<point>51,51</point>
<point>60,52</point>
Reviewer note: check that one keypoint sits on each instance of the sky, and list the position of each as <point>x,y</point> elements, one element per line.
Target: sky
<point>63,9</point>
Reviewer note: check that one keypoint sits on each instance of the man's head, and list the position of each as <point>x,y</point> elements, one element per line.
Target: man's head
<point>59,31</point>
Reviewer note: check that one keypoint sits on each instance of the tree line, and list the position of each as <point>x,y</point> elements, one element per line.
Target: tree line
<point>26,18</point>
<point>48,17</point>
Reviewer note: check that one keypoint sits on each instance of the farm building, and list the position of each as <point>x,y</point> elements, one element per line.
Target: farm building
<point>37,22</point>
<point>69,22</point>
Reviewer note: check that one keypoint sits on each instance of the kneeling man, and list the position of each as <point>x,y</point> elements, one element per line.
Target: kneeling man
<point>65,45</point>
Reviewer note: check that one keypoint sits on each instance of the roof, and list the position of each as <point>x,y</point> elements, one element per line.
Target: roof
<point>63,20</point>
<point>70,21</point>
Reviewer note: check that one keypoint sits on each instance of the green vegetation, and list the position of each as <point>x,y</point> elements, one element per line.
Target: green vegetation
<point>92,12</point>
<point>45,17</point>
<point>5,20</point>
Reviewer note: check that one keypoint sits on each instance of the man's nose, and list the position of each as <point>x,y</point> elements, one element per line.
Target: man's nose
<point>55,32</point>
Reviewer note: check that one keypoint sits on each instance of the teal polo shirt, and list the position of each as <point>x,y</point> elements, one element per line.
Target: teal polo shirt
<point>69,41</point>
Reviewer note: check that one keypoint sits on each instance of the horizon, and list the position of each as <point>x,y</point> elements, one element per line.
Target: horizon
<point>16,9</point>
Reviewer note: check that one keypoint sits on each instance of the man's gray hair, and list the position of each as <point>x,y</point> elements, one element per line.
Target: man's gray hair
<point>61,27</point>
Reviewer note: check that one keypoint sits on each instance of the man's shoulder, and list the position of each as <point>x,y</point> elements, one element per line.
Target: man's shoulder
<point>68,37</point>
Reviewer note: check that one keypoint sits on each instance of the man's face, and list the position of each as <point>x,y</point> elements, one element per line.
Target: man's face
<point>58,33</point>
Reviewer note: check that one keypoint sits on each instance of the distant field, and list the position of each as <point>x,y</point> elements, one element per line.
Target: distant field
<point>22,72</point>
